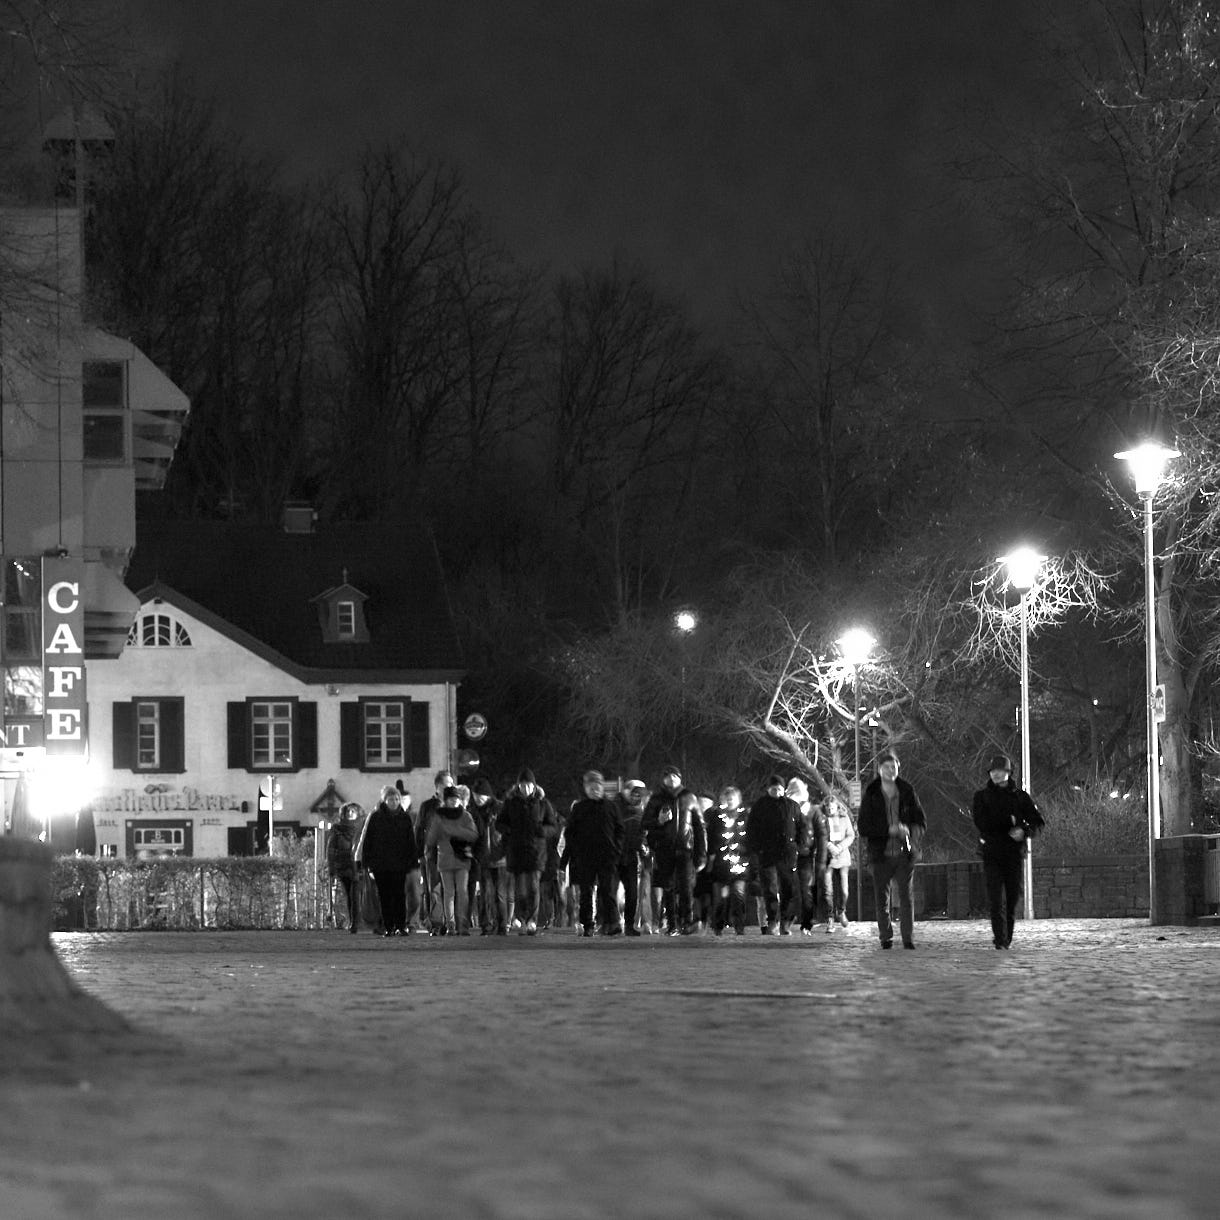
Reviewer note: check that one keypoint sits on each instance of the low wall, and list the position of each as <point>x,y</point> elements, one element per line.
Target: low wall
<point>1075,887</point>
<point>1188,880</point>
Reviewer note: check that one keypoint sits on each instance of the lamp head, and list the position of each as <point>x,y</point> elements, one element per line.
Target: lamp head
<point>1147,462</point>
<point>686,621</point>
<point>855,645</point>
<point>1023,565</point>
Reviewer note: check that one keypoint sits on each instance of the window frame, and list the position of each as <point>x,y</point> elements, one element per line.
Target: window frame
<point>106,410</point>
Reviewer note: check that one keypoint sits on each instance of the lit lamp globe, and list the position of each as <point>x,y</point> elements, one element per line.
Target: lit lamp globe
<point>686,621</point>
<point>1023,565</point>
<point>1147,464</point>
<point>855,646</point>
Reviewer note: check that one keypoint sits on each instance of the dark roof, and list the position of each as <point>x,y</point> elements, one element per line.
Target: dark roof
<point>262,582</point>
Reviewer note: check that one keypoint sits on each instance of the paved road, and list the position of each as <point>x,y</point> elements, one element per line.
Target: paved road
<point>319,1074</point>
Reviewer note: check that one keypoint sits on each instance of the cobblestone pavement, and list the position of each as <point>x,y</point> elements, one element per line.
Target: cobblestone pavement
<point>319,1074</point>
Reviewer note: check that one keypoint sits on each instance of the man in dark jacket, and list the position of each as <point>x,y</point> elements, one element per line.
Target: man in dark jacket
<point>388,849</point>
<point>434,910</point>
<point>661,819</point>
<point>493,875</point>
<point>1007,819</point>
<point>631,858</point>
<point>528,823</point>
<point>593,845</point>
<point>891,824</point>
<point>771,845</point>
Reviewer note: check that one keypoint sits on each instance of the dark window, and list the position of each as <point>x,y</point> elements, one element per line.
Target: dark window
<point>104,399</point>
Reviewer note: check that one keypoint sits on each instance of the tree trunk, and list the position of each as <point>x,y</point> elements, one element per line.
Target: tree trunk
<point>36,995</point>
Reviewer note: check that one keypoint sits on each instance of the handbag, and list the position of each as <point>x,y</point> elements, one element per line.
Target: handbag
<point>367,902</point>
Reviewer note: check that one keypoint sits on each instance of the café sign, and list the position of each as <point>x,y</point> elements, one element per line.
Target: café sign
<point>63,656</point>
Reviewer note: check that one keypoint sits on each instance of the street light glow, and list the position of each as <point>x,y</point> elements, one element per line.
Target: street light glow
<point>1147,463</point>
<point>1023,565</point>
<point>686,620</point>
<point>855,645</point>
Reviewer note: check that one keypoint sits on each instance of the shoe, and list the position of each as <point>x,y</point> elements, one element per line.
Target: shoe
<point>387,933</point>
<point>829,929</point>
<point>646,929</point>
<point>806,931</point>
<point>842,919</point>
<point>691,929</point>
<point>887,944</point>
<point>586,932</point>
<point>634,932</point>
<point>352,931</point>
<point>908,944</point>
<point>999,944</point>
<point>767,930</point>
<point>531,928</point>
<point>784,930</point>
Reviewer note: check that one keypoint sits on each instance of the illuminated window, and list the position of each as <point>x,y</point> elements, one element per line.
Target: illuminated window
<point>271,734</point>
<point>104,399</point>
<point>347,619</point>
<point>148,736</point>
<point>385,732</point>
<point>155,630</point>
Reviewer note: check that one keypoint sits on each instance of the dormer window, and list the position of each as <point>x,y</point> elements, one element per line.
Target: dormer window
<point>341,614</point>
<point>158,630</point>
<point>346,617</point>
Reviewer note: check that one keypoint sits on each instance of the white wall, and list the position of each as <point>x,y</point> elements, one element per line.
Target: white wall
<point>209,675</point>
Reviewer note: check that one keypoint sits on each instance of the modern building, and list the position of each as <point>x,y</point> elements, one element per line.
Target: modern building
<point>318,662</point>
<point>85,420</point>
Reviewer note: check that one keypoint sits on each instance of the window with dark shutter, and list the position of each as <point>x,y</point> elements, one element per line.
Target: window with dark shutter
<point>124,736</point>
<point>421,742</point>
<point>350,736</point>
<point>306,752</point>
<point>173,736</point>
<point>239,736</point>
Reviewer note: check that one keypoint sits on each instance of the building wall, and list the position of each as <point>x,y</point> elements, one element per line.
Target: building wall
<point>210,674</point>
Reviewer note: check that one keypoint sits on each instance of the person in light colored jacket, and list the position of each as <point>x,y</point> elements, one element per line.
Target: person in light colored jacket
<point>842,834</point>
<point>447,847</point>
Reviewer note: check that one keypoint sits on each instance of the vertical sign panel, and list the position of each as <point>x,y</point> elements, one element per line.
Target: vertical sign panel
<point>63,656</point>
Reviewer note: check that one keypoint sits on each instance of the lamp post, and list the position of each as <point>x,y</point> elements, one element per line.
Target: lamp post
<point>1023,565</point>
<point>1147,465</point>
<point>685,621</point>
<point>855,645</point>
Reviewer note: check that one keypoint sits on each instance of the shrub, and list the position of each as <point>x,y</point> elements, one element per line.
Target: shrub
<point>1090,820</point>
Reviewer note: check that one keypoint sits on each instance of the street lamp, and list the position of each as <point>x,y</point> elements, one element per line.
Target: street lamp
<point>854,646</point>
<point>1023,565</point>
<point>1147,464</point>
<point>685,621</point>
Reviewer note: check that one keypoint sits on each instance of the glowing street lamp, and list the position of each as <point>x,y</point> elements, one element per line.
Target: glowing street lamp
<point>855,646</point>
<point>1147,463</point>
<point>685,621</point>
<point>1023,566</point>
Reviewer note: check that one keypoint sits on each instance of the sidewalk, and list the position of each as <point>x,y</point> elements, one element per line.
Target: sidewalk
<point>324,1075</point>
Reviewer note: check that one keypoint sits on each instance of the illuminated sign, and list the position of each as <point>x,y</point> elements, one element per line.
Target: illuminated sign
<point>63,657</point>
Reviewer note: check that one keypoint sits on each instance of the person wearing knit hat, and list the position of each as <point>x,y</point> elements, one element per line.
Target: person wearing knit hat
<point>493,901</point>
<point>529,824</point>
<point>1006,818</point>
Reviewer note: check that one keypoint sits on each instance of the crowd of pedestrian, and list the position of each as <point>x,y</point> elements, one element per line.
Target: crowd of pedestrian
<point>666,862</point>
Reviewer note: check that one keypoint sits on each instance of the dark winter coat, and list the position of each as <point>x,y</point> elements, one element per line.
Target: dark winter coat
<point>491,841</point>
<point>996,811</point>
<point>662,836</point>
<point>594,838</point>
<point>341,850</point>
<point>873,825</point>
<point>771,831</point>
<point>389,841</point>
<point>813,836</point>
<point>528,824</point>
<point>633,832</point>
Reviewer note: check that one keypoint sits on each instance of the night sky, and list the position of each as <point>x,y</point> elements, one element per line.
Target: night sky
<point>704,140</point>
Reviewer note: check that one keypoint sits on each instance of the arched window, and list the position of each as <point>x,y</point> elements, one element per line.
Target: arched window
<point>158,630</point>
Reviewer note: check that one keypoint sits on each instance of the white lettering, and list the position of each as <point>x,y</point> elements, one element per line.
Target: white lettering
<point>65,725</point>
<point>63,679</point>
<point>53,595</point>
<point>63,640</point>
<point>13,736</point>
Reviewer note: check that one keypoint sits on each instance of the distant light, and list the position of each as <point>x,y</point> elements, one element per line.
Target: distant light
<point>1147,463</point>
<point>1114,794</point>
<point>1023,565</point>
<point>855,645</point>
<point>686,620</point>
<point>1096,702</point>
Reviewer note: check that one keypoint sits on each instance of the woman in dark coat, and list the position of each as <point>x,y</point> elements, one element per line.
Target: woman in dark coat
<point>341,858</point>
<point>528,824</point>
<point>388,849</point>
<point>1007,819</point>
